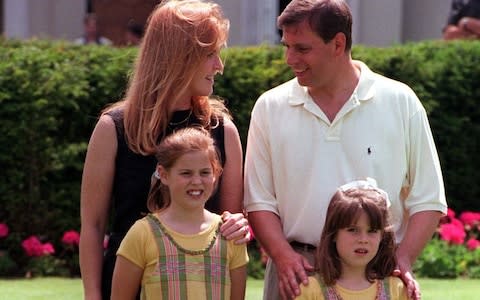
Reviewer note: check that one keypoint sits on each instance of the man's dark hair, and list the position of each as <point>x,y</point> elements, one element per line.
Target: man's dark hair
<point>325,17</point>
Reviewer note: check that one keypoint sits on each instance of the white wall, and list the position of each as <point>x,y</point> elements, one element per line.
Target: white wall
<point>252,22</point>
<point>375,22</point>
<point>424,19</point>
<point>388,22</point>
<point>16,18</point>
<point>43,18</point>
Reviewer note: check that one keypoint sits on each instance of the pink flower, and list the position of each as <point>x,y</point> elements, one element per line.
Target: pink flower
<point>252,235</point>
<point>470,217</point>
<point>47,249</point>
<point>473,244</point>
<point>33,247</point>
<point>106,238</point>
<point>450,213</point>
<point>452,233</point>
<point>71,237</point>
<point>457,223</point>
<point>3,230</point>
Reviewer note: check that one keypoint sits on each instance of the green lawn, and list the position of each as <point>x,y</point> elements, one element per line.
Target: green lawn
<point>71,289</point>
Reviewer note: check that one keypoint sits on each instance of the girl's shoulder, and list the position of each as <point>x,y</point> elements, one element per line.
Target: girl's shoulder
<point>142,224</point>
<point>139,232</point>
<point>216,218</point>
<point>394,281</point>
<point>312,291</point>
<point>398,290</point>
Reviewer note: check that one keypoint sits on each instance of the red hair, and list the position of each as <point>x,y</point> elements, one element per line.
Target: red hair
<point>178,38</point>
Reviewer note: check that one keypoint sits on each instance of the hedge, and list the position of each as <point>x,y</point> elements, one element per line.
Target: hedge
<point>52,92</point>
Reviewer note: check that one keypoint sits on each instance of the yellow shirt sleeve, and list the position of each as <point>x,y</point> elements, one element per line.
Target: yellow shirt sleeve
<point>312,291</point>
<point>238,255</point>
<point>398,290</point>
<point>134,245</point>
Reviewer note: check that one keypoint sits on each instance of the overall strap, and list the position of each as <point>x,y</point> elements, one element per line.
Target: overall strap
<point>384,289</point>
<point>328,292</point>
<point>171,264</point>
<point>217,273</point>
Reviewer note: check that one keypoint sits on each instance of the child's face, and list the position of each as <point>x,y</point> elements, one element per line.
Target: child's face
<point>357,245</point>
<point>190,180</point>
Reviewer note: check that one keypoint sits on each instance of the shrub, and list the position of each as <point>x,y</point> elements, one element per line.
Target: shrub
<point>39,258</point>
<point>256,265</point>
<point>52,93</point>
<point>441,260</point>
<point>454,250</point>
<point>70,241</point>
<point>7,264</point>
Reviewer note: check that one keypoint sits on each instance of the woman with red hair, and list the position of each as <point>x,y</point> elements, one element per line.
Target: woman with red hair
<point>169,89</point>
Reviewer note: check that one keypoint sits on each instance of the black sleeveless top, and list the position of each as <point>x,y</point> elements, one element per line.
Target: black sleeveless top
<point>133,171</point>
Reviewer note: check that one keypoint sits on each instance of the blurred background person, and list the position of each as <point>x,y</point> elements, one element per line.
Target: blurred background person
<point>463,20</point>
<point>91,34</point>
<point>133,34</point>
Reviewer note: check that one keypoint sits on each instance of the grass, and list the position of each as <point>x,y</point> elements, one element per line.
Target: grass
<point>71,289</point>
<point>41,289</point>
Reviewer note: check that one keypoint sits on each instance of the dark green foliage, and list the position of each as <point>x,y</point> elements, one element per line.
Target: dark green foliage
<point>256,266</point>
<point>51,94</point>
<point>248,73</point>
<point>7,264</point>
<point>441,260</point>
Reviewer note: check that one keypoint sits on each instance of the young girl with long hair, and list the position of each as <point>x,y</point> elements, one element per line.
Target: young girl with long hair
<point>169,89</point>
<point>356,254</point>
<point>177,252</point>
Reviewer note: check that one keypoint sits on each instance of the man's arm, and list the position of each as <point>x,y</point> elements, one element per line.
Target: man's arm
<point>261,204</point>
<point>420,229</point>
<point>290,265</point>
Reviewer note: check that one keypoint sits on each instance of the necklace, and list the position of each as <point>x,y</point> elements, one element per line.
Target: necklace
<point>334,295</point>
<point>180,248</point>
<point>182,121</point>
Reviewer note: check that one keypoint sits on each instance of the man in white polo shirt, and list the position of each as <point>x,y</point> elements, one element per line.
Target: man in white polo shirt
<point>335,122</point>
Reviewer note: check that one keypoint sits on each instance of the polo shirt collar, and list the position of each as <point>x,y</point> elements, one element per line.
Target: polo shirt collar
<point>365,88</point>
<point>363,91</point>
<point>298,94</point>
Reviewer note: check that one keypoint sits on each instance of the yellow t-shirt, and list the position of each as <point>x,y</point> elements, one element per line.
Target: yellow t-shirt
<point>398,290</point>
<point>140,247</point>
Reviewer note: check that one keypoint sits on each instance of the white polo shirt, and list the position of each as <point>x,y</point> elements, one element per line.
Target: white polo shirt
<point>296,158</point>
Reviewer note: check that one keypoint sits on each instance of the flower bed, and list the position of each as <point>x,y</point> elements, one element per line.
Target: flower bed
<point>37,256</point>
<point>454,250</point>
